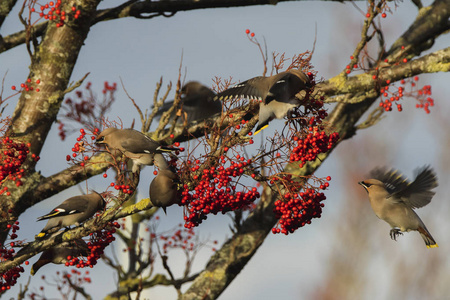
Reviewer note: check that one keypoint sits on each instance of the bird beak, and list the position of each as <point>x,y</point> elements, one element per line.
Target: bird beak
<point>363,185</point>
<point>100,140</point>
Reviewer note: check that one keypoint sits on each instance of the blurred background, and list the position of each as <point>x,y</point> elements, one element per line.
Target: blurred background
<point>346,254</point>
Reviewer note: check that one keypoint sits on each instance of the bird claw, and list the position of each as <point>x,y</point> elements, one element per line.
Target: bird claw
<point>394,233</point>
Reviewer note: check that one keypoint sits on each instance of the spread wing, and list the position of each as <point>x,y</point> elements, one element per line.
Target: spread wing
<point>418,193</point>
<point>252,89</point>
<point>285,88</point>
<point>393,180</point>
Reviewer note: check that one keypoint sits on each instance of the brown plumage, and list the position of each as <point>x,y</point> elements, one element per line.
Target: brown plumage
<point>197,103</point>
<point>276,94</point>
<point>59,254</point>
<point>133,144</point>
<point>72,211</point>
<point>393,198</point>
<point>164,187</point>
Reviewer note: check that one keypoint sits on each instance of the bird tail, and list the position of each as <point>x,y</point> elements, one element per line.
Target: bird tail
<point>427,238</point>
<point>167,149</point>
<point>52,214</point>
<point>260,127</point>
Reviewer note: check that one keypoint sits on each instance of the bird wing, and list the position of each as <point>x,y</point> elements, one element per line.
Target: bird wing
<point>393,180</point>
<point>137,142</point>
<point>284,88</point>
<point>74,205</point>
<point>418,193</point>
<point>165,107</point>
<point>253,89</point>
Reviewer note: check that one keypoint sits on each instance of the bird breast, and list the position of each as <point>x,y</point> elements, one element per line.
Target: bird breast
<point>279,110</point>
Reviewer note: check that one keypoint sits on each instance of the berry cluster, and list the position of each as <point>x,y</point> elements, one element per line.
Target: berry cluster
<point>99,241</point>
<point>76,278</point>
<point>312,114</point>
<point>421,95</point>
<point>27,86</point>
<point>297,210</point>
<point>79,278</point>
<point>215,191</point>
<point>251,34</point>
<point>9,278</point>
<point>181,239</point>
<point>394,96</point>
<point>424,100</point>
<point>52,12</point>
<point>82,146</point>
<point>124,188</point>
<point>12,157</point>
<point>312,145</point>
<point>14,228</point>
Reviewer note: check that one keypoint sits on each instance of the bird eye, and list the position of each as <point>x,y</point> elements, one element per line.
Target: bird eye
<point>368,184</point>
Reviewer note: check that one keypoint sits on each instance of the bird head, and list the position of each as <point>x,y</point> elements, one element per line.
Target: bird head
<point>102,136</point>
<point>372,184</point>
<point>103,202</point>
<point>303,77</point>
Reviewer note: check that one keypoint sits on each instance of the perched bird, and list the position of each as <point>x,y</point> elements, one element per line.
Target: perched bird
<point>197,103</point>
<point>276,94</point>
<point>73,211</point>
<point>60,253</point>
<point>164,187</point>
<point>393,198</point>
<point>133,144</point>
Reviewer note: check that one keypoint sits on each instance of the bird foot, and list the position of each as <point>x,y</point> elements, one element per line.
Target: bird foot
<point>394,233</point>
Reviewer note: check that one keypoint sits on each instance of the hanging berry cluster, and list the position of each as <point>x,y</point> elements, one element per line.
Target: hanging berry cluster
<point>52,11</point>
<point>14,228</point>
<point>421,95</point>
<point>181,238</point>
<point>79,277</point>
<point>9,278</point>
<point>297,209</point>
<point>12,157</point>
<point>82,147</point>
<point>310,114</point>
<point>312,145</point>
<point>216,191</point>
<point>424,100</point>
<point>99,241</point>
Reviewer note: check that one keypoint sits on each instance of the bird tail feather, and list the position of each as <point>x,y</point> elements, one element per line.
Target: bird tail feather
<point>427,238</point>
<point>167,149</point>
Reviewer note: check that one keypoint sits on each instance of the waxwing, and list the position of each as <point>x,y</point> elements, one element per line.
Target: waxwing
<point>197,103</point>
<point>276,94</point>
<point>164,187</point>
<point>60,253</point>
<point>72,211</point>
<point>133,144</point>
<point>393,198</point>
